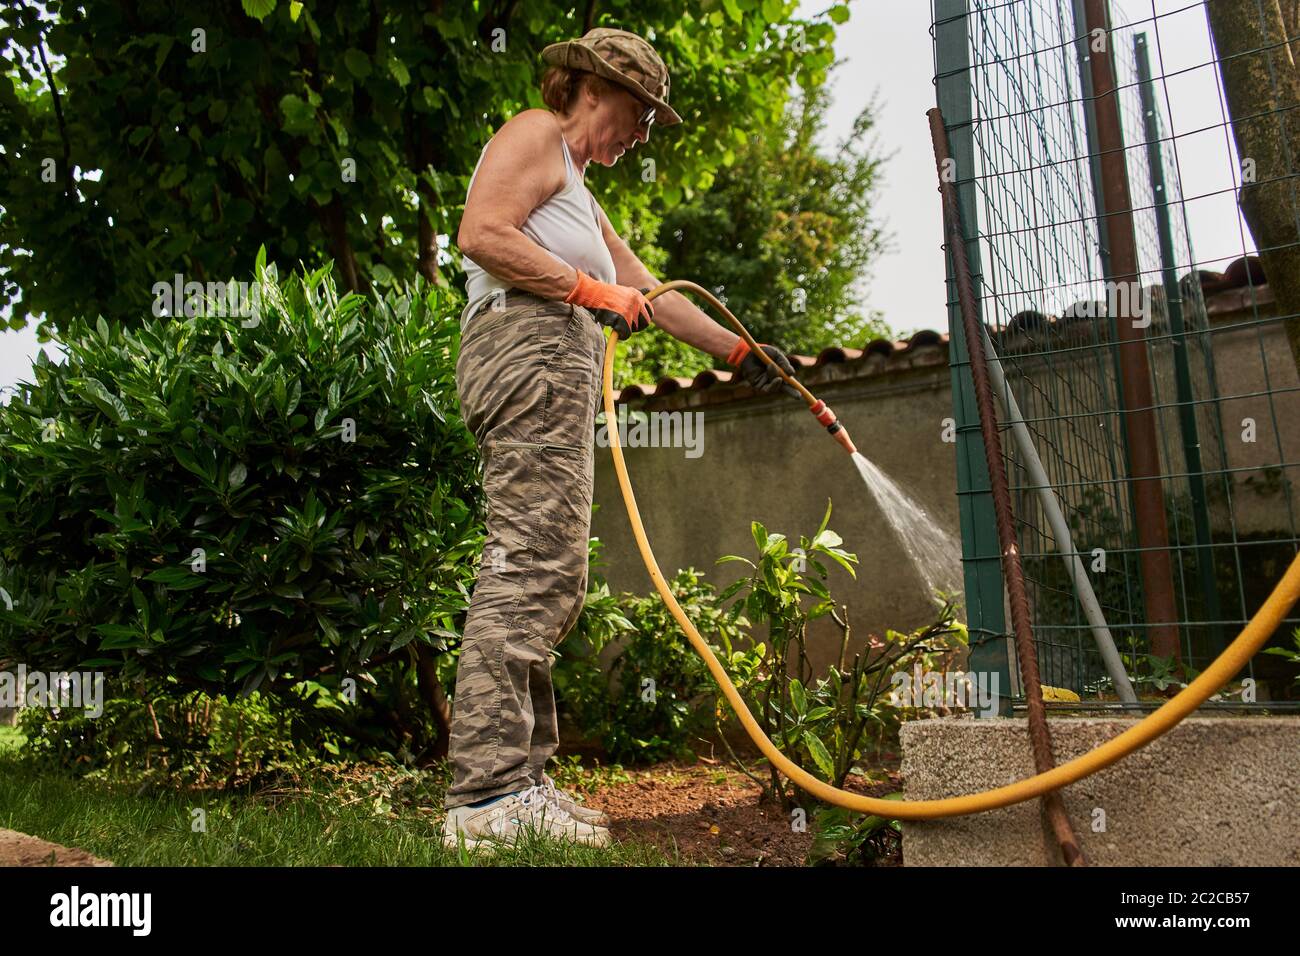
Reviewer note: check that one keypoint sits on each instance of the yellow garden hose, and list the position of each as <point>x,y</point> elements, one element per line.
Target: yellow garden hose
<point>1235,656</point>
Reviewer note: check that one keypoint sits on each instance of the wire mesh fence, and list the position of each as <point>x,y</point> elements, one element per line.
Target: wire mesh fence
<point>1155,378</point>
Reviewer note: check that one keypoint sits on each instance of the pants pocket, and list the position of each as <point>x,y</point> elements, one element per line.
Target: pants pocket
<point>557,336</point>
<point>555,446</point>
<point>568,461</point>
<point>570,383</point>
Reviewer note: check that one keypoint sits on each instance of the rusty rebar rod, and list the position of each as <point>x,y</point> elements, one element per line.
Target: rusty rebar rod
<point>1040,738</point>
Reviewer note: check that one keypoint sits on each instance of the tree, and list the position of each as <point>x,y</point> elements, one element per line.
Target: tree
<point>146,139</point>
<point>1262,87</point>
<point>784,236</point>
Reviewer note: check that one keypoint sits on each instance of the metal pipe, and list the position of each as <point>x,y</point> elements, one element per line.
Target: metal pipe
<point>1060,529</point>
<point>1136,396</point>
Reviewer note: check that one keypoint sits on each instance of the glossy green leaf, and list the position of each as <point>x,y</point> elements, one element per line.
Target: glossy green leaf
<point>820,755</point>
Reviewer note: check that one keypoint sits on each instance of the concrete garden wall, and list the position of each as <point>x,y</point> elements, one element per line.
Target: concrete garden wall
<point>767,459</point>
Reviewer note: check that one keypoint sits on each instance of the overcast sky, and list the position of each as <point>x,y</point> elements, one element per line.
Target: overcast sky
<point>886,47</point>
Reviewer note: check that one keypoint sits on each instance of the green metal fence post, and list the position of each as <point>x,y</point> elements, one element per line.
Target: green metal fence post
<point>985,615</point>
<point>1178,342</point>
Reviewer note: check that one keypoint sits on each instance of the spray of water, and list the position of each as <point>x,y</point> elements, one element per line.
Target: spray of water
<point>935,553</point>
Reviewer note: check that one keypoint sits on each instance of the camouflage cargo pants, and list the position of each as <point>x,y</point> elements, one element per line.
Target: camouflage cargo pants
<point>529,378</point>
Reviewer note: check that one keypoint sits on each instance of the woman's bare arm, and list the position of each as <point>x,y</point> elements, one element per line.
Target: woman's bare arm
<point>674,313</point>
<point>522,169</point>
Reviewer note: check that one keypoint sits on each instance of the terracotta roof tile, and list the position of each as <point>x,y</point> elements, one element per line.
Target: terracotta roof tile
<point>670,384</point>
<point>880,356</point>
<point>878,349</point>
<point>836,353</point>
<point>712,376</point>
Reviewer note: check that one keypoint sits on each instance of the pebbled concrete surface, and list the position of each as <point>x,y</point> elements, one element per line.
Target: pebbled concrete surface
<point>1214,791</point>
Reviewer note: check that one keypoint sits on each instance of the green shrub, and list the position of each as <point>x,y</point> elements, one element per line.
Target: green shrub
<point>237,506</point>
<point>152,732</point>
<point>655,694</point>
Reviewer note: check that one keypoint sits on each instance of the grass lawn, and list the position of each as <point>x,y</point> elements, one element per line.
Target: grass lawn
<point>351,816</point>
<point>10,738</point>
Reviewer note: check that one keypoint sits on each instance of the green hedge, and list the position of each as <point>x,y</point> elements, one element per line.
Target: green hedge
<point>240,505</point>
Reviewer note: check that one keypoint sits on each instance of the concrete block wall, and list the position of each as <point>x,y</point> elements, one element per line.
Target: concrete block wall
<point>1214,791</point>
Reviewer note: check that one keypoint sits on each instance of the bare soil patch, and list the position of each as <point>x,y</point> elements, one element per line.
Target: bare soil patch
<point>19,849</point>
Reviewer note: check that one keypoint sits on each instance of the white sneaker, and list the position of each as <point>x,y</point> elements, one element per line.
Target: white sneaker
<point>569,803</point>
<point>501,823</point>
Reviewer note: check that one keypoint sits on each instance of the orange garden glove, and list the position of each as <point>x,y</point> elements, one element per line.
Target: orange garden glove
<point>621,307</point>
<point>761,376</point>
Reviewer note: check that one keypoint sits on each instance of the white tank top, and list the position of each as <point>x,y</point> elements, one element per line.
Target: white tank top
<point>567,225</point>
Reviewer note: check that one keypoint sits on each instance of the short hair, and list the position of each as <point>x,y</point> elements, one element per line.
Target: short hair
<point>560,85</point>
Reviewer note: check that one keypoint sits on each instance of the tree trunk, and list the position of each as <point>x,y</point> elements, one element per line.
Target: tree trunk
<point>433,694</point>
<point>1262,88</point>
<point>334,218</point>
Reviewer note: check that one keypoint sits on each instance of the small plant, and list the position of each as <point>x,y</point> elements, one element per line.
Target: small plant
<point>844,835</point>
<point>1162,673</point>
<point>1154,677</point>
<point>652,696</point>
<point>1286,652</point>
<point>821,726</point>
<point>569,774</point>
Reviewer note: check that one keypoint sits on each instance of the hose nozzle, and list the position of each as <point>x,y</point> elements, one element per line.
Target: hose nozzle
<point>821,411</point>
<point>841,435</point>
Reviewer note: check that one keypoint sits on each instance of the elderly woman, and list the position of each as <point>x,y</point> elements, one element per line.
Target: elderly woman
<point>545,271</point>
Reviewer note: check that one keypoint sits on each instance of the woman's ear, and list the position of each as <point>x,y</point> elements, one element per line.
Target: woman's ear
<point>589,94</point>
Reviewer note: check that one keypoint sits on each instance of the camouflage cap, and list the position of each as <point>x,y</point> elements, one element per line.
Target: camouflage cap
<point>623,58</point>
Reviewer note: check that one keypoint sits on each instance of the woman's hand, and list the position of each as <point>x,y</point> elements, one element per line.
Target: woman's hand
<point>621,307</point>
<point>761,376</point>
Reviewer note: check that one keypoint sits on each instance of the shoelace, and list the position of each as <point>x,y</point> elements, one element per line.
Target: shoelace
<point>549,784</point>
<point>538,793</point>
<point>556,793</point>
<point>546,795</point>
<point>543,793</point>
